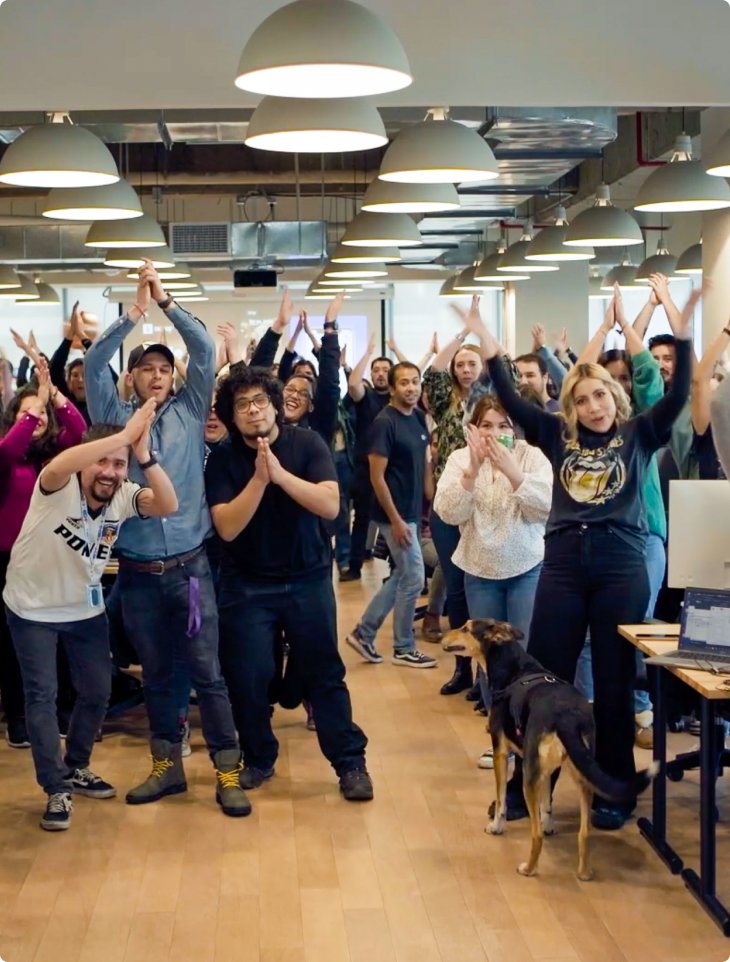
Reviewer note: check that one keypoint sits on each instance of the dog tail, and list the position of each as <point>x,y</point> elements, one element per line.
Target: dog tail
<point>602,784</point>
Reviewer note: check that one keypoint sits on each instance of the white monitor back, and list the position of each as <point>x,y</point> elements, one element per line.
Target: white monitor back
<point>699,534</point>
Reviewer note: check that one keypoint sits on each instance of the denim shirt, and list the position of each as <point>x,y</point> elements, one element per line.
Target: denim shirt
<point>176,437</point>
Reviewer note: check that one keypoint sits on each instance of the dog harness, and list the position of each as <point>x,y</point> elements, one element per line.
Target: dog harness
<point>515,694</point>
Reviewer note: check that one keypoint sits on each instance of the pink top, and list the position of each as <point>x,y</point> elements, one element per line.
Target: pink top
<point>18,475</point>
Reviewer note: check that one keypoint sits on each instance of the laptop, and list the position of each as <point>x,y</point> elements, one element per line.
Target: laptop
<point>704,633</point>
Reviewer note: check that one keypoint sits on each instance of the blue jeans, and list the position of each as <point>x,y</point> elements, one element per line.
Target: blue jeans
<point>155,611</point>
<point>656,561</point>
<point>504,599</point>
<point>342,524</point>
<point>87,646</point>
<point>252,618</point>
<point>446,538</point>
<point>398,594</point>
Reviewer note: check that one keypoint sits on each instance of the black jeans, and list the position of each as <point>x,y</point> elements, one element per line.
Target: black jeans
<point>363,498</point>
<point>592,578</point>
<point>446,538</point>
<point>11,681</point>
<point>251,619</point>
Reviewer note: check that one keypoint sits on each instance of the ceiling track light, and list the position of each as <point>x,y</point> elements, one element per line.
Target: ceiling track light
<point>320,126</point>
<point>682,185</point>
<point>438,151</point>
<point>603,225</point>
<point>111,202</point>
<point>548,244</point>
<point>58,154</point>
<point>323,48</point>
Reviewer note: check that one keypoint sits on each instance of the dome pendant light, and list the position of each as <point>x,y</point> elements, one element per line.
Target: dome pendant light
<point>341,272</point>
<point>113,202</point>
<point>47,296</point>
<point>141,232</point>
<point>448,288</point>
<point>323,48</point>
<point>719,163</point>
<point>58,155</point>
<point>26,292</point>
<point>513,260</point>
<point>682,185</point>
<point>660,263</point>
<point>595,289</point>
<point>315,126</point>
<point>384,197</point>
<point>438,151</point>
<point>603,225</point>
<point>381,230</point>
<point>160,258</point>
<point>689,262</point>
<point>548,245</point>
<point>624,274</point>
<point>365,255</point>
<point>179,272</point>
<point>488,269</point>
<point>9,280</point>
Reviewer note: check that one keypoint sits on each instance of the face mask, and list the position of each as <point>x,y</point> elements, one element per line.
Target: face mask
<point>507,440</point>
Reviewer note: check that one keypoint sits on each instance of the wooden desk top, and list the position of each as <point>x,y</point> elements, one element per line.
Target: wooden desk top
<point>656,640</point>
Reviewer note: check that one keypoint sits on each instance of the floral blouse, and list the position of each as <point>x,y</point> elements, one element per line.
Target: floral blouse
<point>450,418</point>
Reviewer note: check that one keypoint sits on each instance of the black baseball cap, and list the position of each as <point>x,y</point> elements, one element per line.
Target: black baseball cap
<point>137,353</point>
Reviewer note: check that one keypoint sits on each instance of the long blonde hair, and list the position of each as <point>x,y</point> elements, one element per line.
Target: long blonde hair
<point>567,405</point>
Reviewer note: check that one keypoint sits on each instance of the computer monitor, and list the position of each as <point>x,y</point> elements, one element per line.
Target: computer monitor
<point>699,534</point>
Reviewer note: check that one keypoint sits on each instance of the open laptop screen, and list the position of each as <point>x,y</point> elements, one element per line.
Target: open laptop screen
<point>706,621</point>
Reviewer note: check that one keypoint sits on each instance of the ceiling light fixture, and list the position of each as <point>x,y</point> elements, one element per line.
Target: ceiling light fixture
<point>47,296</point>
<point>623,274</point>
<point>26,292</point>
<point>719,162</point>
<point>385,197</point>
<point>179,272</point>
<point>58,155</point>
<point>351,271</point>
<point>513,260</point>
<point>112,202</point>
<point>448,288</point>
<point>487,270</point>
<point>317,126</point>
<point>682,185</point>
<point>595,289</point>
<point>381,230</point>
<point>438,151</point>
<point>603,225</point>
<point>548,244</point>
<point>142,232</point>
<point>466,282</point>
<point>8,279</point>
<point>689,262</point>
<point>660,263</point>
<point>365,255</point>
<point>323,48</point>
<point>160,258</point>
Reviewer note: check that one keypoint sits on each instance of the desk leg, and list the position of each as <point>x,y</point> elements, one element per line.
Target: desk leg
<point>655,831</point>
<point>702,886</point>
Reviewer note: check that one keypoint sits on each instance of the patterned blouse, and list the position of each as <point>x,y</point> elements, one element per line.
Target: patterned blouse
<point>450,418</point>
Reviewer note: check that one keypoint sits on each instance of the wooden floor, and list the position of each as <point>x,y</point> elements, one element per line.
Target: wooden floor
<point>410,877</point>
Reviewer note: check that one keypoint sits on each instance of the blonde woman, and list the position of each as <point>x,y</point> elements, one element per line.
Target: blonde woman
<point>594,573</point>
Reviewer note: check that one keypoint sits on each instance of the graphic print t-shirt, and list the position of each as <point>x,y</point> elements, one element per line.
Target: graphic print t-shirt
<point>49,570</point>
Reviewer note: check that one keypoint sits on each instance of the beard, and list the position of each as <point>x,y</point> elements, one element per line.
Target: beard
<point>258,431</point>
<point>104,494</point>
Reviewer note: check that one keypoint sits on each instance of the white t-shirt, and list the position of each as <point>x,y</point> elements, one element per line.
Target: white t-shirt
<point>50,570</point>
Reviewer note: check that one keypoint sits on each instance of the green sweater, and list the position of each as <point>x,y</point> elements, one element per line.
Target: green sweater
<point>648,389</point>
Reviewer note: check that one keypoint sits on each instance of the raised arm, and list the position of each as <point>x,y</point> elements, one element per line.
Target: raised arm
<point>433,349</point>
<point>701,380</point>
<point>634,343</point>
<point>15,444</point>
<point>327,394</point>
<point>355,387</point>
<point>660,286</point>
<point>539,347</point>
<point>393,347</point>
<point>446,354</point>
<point>316,343</point>
<point>720,416</point>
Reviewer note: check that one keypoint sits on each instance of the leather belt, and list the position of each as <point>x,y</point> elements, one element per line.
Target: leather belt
<point>161,566</point>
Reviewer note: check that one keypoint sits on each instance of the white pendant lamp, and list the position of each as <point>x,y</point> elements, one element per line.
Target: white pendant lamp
<point>141,232</point>
<point>323,48</point>
<point>365,255</point>
<point>58,155</point>
<point>448,288</point>
<point>595,289</point>
<point>47,296</point>
<point>129,257</point>
<point>8,279</point>
<point>384,197</point>
<point>682,185</point>
<point>26,292</point>
<point>603,225</point>
<point>112,202</point>
<point>689,262</point>
<point>623,274</point>
<point>381,230</point>
<point>548,244</point>
<point>438,152</point>
<point>355,271</point>
<point>513,260</point>
<point>719,162</point>
<point>488,270</point>
<point>660,263</point>
<point>192,296</point>
<point>179,272</point>
<point>466,282</point>
<point>317,126</point>
<point>187,285</point>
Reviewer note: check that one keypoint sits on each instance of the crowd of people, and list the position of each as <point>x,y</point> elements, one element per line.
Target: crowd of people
<point>229,488</point>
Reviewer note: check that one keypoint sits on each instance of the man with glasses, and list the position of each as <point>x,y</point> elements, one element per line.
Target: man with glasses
<point>270,486</point>
<point>164,583</point>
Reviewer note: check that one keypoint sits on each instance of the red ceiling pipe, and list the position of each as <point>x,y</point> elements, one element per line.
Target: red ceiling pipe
<point>641,160</point>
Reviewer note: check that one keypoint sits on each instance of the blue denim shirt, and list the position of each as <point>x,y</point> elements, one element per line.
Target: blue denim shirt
<point>176,437</point>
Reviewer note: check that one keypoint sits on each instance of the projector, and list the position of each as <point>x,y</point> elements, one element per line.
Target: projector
<point>255,278</point>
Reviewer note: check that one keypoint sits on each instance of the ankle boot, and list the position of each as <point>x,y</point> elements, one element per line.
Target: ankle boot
<point>461,679</point>
<point>228,792</point>
<point>167,776</point>
<point>431,628</point>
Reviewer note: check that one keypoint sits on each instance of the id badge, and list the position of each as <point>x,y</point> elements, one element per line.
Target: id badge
<point>95,596</point>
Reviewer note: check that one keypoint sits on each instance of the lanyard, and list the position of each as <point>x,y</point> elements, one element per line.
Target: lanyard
<point>93,548</point>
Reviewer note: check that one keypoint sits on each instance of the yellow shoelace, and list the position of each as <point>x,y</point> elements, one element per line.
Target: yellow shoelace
<point>160,766</point>
<point>229,779</point>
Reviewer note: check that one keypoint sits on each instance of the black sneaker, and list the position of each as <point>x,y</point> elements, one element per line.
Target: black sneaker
<point>16,734</point>
<point>516,809</point>
<point>252,777</point>
<point>57,816</point>
<point>87,783</point>
<point>350,575</point>
<point>366,649</point>
<point>356,785</point>
<point>413,659</point>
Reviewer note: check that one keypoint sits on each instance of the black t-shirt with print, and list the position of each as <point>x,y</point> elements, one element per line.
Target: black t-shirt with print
<point>366,410</point>
<point>402,439</point>
<point>283,541</point>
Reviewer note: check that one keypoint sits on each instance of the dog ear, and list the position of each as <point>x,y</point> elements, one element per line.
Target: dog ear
<point>481,626</point>
<point>517,634</point>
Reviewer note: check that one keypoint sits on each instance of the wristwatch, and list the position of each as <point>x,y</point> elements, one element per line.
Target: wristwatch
<point>330,326</point>
<point>149,464</point>
<point>164,304</point>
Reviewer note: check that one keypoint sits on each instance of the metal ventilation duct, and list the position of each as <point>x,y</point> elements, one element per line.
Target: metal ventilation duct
<point>285,241</point>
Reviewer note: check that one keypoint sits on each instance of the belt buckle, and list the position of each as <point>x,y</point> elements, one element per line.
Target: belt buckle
<point>157,565</point>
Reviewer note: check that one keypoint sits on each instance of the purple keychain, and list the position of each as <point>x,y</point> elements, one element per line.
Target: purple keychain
<point>195,617</point>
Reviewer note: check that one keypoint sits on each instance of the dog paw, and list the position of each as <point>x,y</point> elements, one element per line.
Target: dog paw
<point>524,869</point>
<point>496,827</point>
<point>585,876</point>
<point>548,828</point>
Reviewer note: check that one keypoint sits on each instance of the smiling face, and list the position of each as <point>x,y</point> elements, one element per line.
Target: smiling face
<point>594,405</point>
<point>467,367</point>
<point>666,357</point>
<point>101,480</point>
<point>28,402</point>
<point>297,399</point>
<point>152,378</point>
<point>406,390</point>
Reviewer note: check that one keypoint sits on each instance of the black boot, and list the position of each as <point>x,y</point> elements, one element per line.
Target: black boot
<point>461,679</point>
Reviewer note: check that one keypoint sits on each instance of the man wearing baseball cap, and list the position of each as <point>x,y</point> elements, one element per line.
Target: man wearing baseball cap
<point>165,585</point>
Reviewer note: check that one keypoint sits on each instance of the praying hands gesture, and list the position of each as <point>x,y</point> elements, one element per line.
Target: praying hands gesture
<point>503,460</point>
<point>473,323</point>
<point>137,429</point>
<point>286,309</point>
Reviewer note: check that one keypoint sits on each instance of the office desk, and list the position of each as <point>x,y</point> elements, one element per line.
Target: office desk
<point>658,640</point>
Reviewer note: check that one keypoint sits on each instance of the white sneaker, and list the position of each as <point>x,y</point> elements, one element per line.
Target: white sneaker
<point>486,759</point>
<point>186,751</point>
